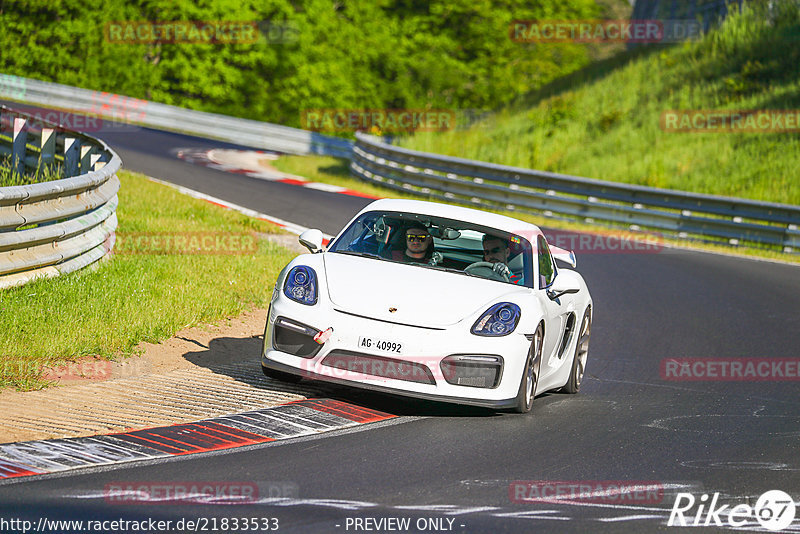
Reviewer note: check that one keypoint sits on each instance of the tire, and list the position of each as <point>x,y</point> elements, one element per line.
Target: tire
<point>573,384</point>
<point>281,376</point>
<point>530,375</point>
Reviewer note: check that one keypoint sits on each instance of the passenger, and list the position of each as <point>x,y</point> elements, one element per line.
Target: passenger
<point>419,246</point>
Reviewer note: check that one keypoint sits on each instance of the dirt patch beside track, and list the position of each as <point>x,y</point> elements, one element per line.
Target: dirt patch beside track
<point>201,372</point>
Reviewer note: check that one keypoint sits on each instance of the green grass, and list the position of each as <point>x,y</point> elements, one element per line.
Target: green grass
<point>604,121</point>
<point>335,171</point>
<point>9,176</point>
<point>131,298</point>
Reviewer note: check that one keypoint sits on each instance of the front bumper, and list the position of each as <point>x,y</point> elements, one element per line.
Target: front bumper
<point>504,404</point>
<point>420,346</point>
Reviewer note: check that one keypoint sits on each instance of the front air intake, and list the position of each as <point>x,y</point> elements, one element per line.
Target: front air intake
<point>295,338</point>
<point>479,371</point>
<point>368,364</point>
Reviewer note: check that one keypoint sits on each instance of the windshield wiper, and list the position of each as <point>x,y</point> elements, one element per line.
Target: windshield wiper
<point>440,268</point>
<point>360,254</point>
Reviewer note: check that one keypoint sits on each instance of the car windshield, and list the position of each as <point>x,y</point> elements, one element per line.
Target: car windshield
<point>433,242</point>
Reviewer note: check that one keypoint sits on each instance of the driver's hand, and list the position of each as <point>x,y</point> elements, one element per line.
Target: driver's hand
<point>436,257</point>
<point>501,269</point>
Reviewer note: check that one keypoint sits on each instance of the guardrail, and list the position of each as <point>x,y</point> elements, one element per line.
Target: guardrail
<point>677,213</point>
<point>143,112</point>
<point>56,227</point>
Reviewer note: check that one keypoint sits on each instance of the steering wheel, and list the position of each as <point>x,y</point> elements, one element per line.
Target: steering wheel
<point>485,269</point>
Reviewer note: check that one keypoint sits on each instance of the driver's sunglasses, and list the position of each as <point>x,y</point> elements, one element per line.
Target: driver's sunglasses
<point>495,250</point>
<point>414,237</point>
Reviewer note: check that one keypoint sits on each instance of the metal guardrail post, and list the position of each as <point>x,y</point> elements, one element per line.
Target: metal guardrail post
<point>86,158</point>
<point>19,143</point>
<point>47,146</point>
<point>71,155</point>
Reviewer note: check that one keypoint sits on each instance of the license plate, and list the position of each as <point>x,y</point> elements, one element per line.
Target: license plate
<point>384,345</point>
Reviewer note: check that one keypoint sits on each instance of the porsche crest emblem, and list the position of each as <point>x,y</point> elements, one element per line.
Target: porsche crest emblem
<point>392,310</point>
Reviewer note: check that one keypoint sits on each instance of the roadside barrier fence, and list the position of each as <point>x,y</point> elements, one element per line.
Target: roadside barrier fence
<point>53,227</point>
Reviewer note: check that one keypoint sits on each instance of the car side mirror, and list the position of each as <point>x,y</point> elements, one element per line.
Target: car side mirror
<point>312,240</point>
<point>563,285</point>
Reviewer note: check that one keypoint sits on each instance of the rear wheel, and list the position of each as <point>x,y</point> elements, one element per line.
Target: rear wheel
<point>280,375</point>
<point>573,384</point>
<point>530,374</point>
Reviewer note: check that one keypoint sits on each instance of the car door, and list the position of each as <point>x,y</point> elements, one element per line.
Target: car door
<point>556,310</point>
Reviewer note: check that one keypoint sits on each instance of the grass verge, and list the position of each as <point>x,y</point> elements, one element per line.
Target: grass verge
<point>326,169</point>
<point>143,296</point>
<point>605,121</point>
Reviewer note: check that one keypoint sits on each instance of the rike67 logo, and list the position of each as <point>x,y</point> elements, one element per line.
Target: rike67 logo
<point>774,510</point>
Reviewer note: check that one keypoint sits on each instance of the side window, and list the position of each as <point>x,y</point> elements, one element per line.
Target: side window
<point>547,271</point>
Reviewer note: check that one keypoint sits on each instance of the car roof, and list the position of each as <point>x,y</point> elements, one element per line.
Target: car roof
<point>483,218</point>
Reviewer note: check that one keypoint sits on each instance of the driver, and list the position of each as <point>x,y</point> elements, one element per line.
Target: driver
<point>497,251</point>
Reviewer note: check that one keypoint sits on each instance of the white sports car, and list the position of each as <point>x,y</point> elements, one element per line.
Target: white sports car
<point>432,301</point>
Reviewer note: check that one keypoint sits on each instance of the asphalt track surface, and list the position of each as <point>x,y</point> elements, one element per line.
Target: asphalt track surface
<point>448,469</point>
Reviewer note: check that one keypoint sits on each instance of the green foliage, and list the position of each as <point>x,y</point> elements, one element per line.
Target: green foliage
<point>603,121</point>
<point>449,54</point>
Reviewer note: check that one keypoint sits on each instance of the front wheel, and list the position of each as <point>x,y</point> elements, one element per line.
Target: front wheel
<point>530,374</point>
<point>573,384</point>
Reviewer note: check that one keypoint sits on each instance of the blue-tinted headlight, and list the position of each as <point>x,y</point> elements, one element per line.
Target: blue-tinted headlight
<point>499,320</point>
<point>301,285</point>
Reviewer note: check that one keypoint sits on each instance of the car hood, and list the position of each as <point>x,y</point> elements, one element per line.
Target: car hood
<point>419,295</point>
